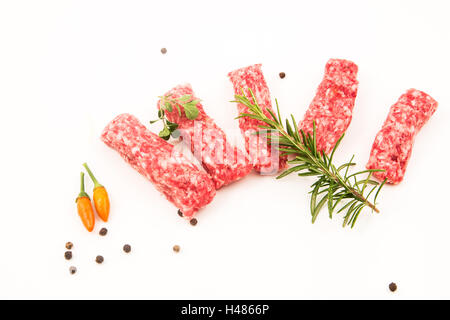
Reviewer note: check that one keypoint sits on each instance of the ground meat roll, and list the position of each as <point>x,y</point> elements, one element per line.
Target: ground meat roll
<point>265,159</point>
<point>332,107</point>
<point>183,184</point>
<point>393,144</point>
<point>224,163</point>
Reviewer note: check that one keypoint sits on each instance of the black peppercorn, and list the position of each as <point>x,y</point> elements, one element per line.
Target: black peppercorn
<point>127,248</point>
<point>193,222</point>
<point>392,286</point>
<point>68,255</point>
<point>99,259</point>
<point>103,231</point>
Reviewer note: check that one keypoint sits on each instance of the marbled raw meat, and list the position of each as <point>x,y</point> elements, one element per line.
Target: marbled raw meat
<point>393,144</point>
<point>183,184</point>
<point>332,106</point>
<point>224,163</point>
<point>265,159</point>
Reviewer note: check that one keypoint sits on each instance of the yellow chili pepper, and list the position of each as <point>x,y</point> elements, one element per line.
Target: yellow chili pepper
<point>84,206</point>
<point>101,199</point>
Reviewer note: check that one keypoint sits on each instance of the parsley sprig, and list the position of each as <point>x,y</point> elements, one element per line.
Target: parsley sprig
<point>167,103</point>
<point>334,185</point>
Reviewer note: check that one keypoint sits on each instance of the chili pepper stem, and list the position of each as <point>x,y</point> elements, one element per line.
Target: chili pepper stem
<point>96,183</point>
<point>82,192</point>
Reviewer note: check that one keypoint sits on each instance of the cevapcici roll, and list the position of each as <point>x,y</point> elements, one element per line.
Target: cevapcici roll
<point>265,159</point>
<point>183,184</point>
<point>393,144</point>
<point>332,106</point>
<point>223,162</point>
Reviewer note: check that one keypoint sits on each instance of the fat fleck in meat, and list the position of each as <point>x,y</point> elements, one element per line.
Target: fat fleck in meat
<point>188,188</point>
<point>393,144</point>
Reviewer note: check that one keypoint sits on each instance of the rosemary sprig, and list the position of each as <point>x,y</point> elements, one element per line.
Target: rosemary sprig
<point>167,104</point>
<point>334,187</point>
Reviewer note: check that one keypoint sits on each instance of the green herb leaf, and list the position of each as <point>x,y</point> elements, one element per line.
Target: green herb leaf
<point>185,98</point>
<point>191,111</point>
<point>168,106</point>
<point>171,125</point>
<point>165,133</point>
<point>293,169</point>
<point>178,108</point>
<point>167,103</point>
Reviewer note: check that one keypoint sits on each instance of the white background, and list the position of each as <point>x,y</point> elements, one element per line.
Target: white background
<point>68,67</point>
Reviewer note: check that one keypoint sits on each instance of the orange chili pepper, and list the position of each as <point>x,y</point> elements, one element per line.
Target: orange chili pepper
<point>101,199</point>
<point>84,206</point>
